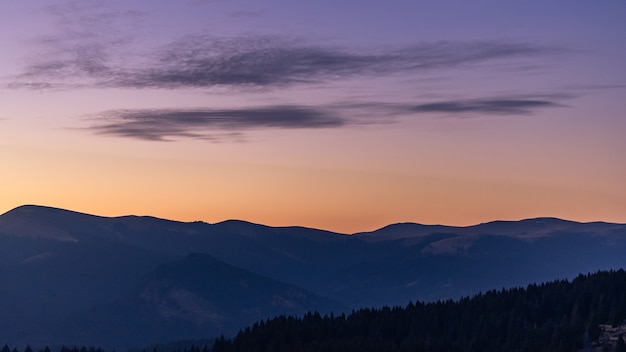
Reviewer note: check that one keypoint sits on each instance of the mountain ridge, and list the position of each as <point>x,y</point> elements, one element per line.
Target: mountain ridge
<point>69,265</point>
<point>30,208</point>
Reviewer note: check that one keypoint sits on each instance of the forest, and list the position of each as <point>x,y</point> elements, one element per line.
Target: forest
<point>555,316</point>
<point>560,315</point>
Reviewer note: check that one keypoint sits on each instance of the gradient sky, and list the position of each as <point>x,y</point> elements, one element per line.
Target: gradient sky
<point>340,115</point>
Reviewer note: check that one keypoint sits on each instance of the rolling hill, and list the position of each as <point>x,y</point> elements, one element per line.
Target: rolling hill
<point>74,278</point>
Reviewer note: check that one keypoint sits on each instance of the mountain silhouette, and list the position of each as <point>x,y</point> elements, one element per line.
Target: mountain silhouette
<point>119,282</point>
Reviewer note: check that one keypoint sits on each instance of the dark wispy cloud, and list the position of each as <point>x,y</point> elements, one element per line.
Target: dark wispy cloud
<point>211,124</point>
<point>595,87</point>
<point>498,106</point>
<point>202,61</point>
<point>89,46</point>
<point>231,124</point>
<point>96,45</point>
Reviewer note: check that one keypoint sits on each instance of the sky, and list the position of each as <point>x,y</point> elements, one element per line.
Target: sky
<point>339,115</point>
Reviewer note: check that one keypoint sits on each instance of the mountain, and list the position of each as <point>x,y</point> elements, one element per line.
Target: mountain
<point>449,262</point>
<point>69,277</point>
<point>208,294</point>
<point>72,278</point>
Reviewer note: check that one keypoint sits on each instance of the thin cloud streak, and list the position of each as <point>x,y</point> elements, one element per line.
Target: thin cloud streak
<point>230,124</point>
<point>98,47</point>
<point>502,106</point>
<point>254,61</point>
<point>164,124</point>
<point>202,61</point>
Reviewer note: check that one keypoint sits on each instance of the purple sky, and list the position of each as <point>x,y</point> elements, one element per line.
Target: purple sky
<point>342,115</point>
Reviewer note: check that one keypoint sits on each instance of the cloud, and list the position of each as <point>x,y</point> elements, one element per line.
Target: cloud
<point>231,124</point>
<point>81,59</point>
<point>87,48</point>
<point>210,124</point>
<point>385,112</point>
<point>594,87</point>
<point>202,61</point>
<point>499,106</point>
<point>96,45</point>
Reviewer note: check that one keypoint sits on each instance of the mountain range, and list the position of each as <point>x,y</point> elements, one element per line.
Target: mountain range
<point>122,282</point>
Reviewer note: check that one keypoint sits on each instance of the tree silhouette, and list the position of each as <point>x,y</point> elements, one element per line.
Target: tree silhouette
<point>555,316</point>
<point>620,346</point>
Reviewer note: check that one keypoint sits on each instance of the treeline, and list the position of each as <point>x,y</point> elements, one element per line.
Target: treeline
<point>555,316</point>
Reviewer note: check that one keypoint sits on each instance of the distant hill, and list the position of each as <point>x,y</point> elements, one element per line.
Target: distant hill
<point>74,278</point>
<point>208,295</point>
<point>71,278</point>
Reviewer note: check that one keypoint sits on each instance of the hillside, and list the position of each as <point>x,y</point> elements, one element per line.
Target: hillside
<point>555,316</point>
<point>74,278</point>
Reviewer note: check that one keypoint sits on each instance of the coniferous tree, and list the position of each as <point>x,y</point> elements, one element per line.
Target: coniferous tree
<point>620,346</point>
<point>556,316</point>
